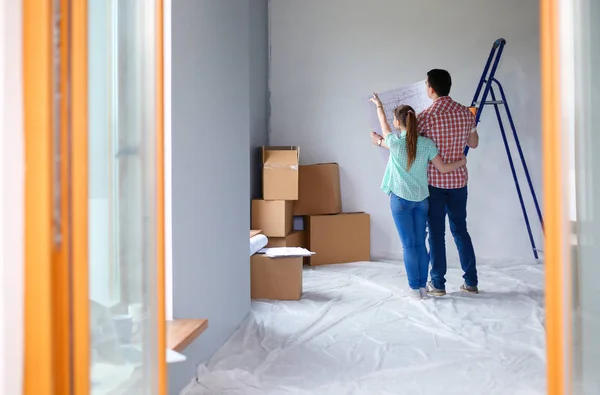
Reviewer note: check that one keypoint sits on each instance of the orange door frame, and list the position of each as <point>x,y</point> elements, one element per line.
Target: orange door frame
<point>57,333</point>
<point>557,256</point>
<point>39,369</point>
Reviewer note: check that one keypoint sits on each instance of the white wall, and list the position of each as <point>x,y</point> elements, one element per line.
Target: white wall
<point>325,55</point>
<point>11,199</point>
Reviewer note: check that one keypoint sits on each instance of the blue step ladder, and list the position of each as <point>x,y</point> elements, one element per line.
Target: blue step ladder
<point>486,84</point>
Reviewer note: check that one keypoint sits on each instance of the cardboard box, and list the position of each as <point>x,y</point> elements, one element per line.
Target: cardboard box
<point>294,239</point>
<point>280,173</point>
<point>275,278</point>
<point>254,233</point>
<point>319,190</point>
<point>273,217</point>
<point>339,238</point>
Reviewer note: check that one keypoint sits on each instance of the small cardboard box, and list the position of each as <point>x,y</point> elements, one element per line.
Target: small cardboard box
<point>280,173</point>
<point>294,239</point>
<point>319,190</point>
<point>339,238</point>
<point>273,217</point>
<point>275,278</point>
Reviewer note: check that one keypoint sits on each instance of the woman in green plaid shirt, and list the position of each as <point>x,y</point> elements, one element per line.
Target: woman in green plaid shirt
<point>405,181</point>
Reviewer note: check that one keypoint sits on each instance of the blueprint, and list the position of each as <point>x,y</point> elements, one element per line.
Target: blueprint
<point>415,95</point>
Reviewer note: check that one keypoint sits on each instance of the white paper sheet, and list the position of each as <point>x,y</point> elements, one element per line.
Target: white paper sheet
<point>280,252</point>
<point>414,95</point>
<point>174,357</point>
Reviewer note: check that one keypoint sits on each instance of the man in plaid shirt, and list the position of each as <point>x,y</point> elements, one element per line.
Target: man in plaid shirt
<point>452,127</point>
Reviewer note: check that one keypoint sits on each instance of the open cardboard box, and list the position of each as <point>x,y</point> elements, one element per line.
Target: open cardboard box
<point>280,172</point>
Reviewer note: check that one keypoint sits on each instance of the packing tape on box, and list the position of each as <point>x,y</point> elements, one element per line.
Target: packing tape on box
<point>280,166</point>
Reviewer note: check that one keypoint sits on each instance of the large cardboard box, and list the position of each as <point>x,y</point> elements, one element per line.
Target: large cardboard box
<point>339,238</point>
<point>274,217</point>
<point>319,190</point>
<point>280,173</point>
<point>275,278</point>
<point>294,239</point>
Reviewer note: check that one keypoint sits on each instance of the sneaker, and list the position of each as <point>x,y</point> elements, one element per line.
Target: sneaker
<point>423,293</point>
<point>469,289</point>
<point>431,290</point>
<point>412,293</point>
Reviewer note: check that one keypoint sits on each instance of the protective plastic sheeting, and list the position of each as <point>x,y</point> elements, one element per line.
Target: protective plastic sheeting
<point>354,333</point>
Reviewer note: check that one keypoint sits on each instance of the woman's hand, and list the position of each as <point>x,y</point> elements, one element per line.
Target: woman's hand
<point>376,138</point>
<point>375,100</point>
<point>448,167</point>
<point>385,126</point>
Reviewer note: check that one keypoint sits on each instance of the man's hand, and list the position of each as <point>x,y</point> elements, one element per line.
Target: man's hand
<point>473,140</point>
<point>376,138</point>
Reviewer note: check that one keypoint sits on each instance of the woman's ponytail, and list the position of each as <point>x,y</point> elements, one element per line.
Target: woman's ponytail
<point>412,138</point>
<point>407,118</point>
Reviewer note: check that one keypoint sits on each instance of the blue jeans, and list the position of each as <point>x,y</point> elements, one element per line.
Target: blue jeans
<point>454,203</point>
<point>411,222</point>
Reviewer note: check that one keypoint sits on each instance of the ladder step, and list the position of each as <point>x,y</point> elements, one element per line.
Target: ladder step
<point>477,103</point>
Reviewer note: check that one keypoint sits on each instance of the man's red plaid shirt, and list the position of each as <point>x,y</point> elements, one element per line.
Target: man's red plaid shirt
<point>449,125</point>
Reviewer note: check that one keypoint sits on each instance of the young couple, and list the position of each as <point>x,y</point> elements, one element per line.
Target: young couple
<point>426,178</point>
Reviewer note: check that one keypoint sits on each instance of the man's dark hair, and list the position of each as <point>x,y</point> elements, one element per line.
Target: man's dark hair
<point>440,81</point>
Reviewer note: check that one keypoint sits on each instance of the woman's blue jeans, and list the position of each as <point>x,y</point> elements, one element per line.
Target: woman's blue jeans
<point>411,222</point>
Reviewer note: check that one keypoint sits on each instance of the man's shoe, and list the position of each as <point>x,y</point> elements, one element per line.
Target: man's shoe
<point>431,290</point>
<point>469,289</point>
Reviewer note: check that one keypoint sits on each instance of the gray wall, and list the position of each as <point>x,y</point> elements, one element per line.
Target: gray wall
<point>326,55</point>
<point>219,114</point>
<point>259,98</point>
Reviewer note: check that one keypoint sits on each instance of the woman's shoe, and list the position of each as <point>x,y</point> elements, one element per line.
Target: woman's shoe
<point>413,293</point>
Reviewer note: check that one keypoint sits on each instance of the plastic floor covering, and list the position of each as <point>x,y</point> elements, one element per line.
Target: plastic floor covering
<point>354,332</point>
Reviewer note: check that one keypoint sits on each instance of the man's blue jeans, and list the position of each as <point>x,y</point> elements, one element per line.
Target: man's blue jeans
<point>454,203</point>
<point>411,222</point>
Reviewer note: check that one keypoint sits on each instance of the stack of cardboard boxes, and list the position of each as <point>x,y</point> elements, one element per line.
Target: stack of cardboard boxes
<point>302,207</point>
<point>334,236</point>
<point>277,278</point>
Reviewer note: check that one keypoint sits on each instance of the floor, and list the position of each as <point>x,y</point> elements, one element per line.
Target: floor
<point>354,333</point>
